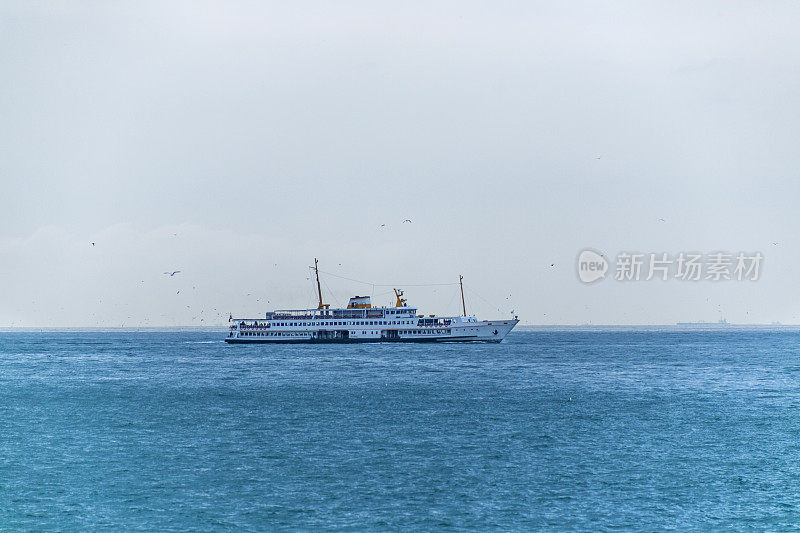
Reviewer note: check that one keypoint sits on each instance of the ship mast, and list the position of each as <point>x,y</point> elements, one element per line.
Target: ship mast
<point>461,283</point>
<point>319,289</point>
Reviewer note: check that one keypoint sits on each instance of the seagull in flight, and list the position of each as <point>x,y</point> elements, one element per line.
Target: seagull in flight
<point>170,274</point>
<point>407,220</point>
<point>92,244</point>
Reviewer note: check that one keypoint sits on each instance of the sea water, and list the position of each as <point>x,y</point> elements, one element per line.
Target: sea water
<point>551,429</point>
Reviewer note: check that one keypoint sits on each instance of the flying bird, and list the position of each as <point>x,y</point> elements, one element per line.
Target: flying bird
<point>407,220</point>
<point>92,244</point>
<point>170,274</point>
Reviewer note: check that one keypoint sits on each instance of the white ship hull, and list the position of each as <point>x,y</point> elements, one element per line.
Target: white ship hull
<point>457,329</point>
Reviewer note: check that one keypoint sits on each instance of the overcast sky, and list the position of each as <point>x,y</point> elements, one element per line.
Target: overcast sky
<point>236,141</point>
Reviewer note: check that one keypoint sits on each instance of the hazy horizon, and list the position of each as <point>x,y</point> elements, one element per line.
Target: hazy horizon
<point>238,141</point>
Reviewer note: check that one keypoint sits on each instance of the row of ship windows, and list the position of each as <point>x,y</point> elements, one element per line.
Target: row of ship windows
<point>273,334</point>
<point>346,323</point>
<point>305,334</point>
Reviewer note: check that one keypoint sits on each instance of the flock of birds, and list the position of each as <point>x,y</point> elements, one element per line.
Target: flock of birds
<point>172,273</point>
<point>405,221</point>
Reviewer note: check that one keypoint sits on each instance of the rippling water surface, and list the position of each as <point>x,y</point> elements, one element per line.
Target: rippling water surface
<point>630,429</point>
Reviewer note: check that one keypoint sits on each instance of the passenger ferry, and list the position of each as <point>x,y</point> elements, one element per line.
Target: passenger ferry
<point>360,322</point>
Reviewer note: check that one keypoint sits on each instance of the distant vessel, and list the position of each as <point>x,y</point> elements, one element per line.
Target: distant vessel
<point>720,323</point>
<point>360,322</point>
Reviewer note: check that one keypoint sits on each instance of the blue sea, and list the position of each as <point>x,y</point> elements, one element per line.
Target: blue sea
<point>571,429</point>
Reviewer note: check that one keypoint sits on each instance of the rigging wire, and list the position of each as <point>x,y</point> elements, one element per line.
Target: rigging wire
<point>452,297</point>
<point>333,296</point>
<point>388,284</point>
<point>485,300</point>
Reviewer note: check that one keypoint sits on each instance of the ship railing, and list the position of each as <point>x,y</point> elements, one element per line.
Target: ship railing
<point>252,324</point>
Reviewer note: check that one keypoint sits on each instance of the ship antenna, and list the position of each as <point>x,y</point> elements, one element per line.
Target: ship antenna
<point>319,289</point>
<point>461,282</point>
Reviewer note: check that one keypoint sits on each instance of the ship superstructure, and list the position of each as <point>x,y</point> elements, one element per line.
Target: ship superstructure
<point>361,322</point>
